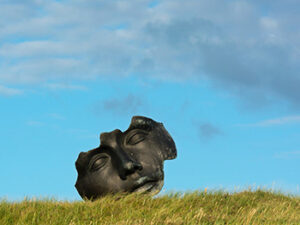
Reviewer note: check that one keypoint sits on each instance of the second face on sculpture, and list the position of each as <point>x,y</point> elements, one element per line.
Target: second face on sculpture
<point>127,161</point>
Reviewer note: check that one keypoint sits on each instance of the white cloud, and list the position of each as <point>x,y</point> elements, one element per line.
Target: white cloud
<point>56,116</point>
<point>276,121</point>
<point>268,23</point>
<point>61,86</point>
<point>234,44</point>
<point>9,91</point>
<point>35,49</point>
<point>34,123</point>
<point>288,155</point>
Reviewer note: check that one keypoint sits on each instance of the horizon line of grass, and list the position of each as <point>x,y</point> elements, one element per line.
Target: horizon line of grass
<point>170,192</point>
<point>198,207</point>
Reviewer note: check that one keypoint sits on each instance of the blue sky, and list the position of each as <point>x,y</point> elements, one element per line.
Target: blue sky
<point>223,77</point>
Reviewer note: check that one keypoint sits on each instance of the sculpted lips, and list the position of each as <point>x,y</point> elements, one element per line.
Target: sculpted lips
<point>147,184</point>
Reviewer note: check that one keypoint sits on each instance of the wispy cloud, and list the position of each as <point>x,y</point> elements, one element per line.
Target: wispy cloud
<point>61,86</point>
<point>56,116</point>
<point>34,123</point>
<point>9,91</point>
<point>288,155</point>
<point>274,122</point>
<point>120,106</point>
<point>208,131</point>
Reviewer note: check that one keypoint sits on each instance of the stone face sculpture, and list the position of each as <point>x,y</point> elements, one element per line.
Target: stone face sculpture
<point>129,161</point>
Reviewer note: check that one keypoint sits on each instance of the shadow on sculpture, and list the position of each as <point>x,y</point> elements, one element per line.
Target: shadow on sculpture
<point>129,161</point>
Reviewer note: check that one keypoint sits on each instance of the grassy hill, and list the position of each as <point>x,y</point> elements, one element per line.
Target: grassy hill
<point>257,207</point>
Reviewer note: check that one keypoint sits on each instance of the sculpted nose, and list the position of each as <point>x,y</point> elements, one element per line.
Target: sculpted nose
<point>129,167</point>
<point>125,164</point>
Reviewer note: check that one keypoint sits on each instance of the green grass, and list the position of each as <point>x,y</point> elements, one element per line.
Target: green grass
<point>247,207</point>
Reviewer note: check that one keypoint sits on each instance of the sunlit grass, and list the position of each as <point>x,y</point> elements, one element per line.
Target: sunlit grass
<point>247,207</point>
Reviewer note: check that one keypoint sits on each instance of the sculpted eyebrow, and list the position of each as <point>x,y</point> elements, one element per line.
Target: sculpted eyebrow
<point>146,127</point>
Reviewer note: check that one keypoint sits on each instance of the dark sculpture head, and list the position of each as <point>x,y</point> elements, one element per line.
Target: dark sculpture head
<point>129,161</point>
